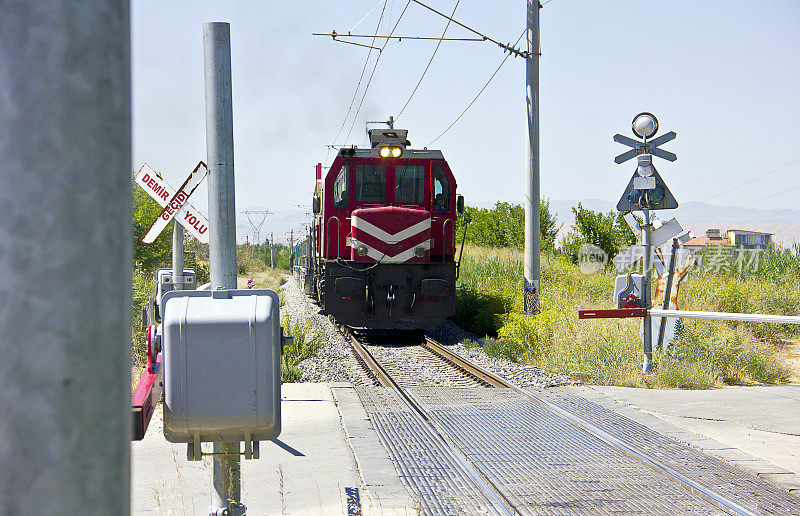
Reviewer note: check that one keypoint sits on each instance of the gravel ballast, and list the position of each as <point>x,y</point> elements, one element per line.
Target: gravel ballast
<point>335,361</point>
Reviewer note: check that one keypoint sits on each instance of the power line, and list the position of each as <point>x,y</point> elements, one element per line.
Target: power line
<point>377,60</point>
<point>476,96</point>
<point>752,180</point>
<point>429,62</point>
<point>750,203</point>
<point>361,77</point>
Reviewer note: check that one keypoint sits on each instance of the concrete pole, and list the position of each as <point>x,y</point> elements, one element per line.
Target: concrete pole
<point>647,330</point>
<point>65,257</point>
<point>271,245</point>
<point>222,216</point>
<point>177,255</point>
<point>532,214</point>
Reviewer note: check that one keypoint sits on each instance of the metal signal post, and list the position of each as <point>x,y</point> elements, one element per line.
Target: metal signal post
<point>532,209</point>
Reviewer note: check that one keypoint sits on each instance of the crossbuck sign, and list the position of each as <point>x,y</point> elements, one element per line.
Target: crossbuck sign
<point>175,204</point>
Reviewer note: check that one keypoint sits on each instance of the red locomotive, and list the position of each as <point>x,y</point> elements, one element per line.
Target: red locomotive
<point>382,252</point>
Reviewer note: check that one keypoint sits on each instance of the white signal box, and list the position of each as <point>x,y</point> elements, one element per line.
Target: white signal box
<point>222,368</point>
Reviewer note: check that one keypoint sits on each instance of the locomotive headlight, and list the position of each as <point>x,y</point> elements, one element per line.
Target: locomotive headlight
<point>419,252</point>
<point>361,250</point>
<point>390,151</point>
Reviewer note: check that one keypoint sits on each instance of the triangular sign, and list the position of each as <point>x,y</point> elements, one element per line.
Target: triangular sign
<point>659,198</point>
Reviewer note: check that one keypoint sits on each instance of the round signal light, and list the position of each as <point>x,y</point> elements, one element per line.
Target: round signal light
<point>362,250</point>
<point>385,152</point>
<point>419,252</point>
<point>396,152</point>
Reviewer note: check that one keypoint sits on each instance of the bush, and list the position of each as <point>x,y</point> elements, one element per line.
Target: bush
<point>305,345</point>
<point>608,231</point>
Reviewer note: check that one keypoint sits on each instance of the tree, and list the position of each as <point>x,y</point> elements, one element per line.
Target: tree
<point>504,225</point>
<point>145,210</point>
<point>607,231</point>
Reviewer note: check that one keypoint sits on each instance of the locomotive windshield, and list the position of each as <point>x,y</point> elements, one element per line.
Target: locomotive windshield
<point>409,183</point>
<point>371,183</point>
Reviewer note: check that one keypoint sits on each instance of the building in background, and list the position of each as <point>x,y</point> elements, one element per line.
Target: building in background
<point>739,238</point>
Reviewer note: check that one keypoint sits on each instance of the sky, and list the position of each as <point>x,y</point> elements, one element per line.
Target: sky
<point>723,74</point>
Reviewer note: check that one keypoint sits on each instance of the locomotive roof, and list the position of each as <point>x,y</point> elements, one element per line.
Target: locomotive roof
<point>355,152</point>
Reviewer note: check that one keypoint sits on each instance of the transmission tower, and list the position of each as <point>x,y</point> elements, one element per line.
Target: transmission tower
<point>253,214</point>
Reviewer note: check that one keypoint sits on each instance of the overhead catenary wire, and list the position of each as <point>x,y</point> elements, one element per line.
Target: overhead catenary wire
<point>476,96</point>
<point>449,20</point>
<point>358,85</point>
<point>375,66</point>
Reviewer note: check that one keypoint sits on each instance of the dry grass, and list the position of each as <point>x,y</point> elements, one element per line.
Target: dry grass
<point>609,351</point>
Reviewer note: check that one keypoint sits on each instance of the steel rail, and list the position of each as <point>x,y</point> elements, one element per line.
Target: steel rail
<point>695,488</point>
<point>493,494</point>
<point>461,363</point>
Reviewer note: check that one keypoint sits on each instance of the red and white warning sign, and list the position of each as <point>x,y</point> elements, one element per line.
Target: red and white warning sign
<point>174,205</point>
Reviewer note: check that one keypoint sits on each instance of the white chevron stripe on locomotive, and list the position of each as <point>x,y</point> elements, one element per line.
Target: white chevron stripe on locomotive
<point>383,236</point>
<point>398,258</point>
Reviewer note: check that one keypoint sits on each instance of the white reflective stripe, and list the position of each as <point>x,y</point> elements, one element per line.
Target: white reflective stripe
<point>380,234</point>
<point>399,258</point>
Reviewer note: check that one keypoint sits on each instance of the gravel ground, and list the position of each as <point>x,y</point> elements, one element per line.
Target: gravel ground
<point>335,361</point>
<point>451,335</point>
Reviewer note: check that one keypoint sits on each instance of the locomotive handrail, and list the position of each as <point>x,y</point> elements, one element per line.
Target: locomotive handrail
<point>338,236</point>
<point>444,236</point>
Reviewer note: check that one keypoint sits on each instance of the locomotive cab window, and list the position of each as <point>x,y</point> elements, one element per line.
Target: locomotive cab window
<point>441,189</point>
<point>409,183</point>
<point>340,189</point>
<point>371,183</point>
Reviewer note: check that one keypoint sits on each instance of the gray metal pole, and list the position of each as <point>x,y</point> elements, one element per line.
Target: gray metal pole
<point>65,257</point>
<point>532,214</point>
<point>647,365</point>
<point>177,255</point>
<point>222,216</point>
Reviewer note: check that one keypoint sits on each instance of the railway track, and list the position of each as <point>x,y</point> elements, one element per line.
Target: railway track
<point>391,369</point>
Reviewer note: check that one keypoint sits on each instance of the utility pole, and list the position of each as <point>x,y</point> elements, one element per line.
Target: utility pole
<point>291,250</point>
<point>532,213</point>
<point>222,219</point>
<point>271,245</point>
<point>65,148</point>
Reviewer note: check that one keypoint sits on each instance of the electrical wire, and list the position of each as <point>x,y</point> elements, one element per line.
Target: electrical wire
<point>360,78</point>
<point>749,203</point>
<point>510,48</point>
<point>377,60</point>
<point>429,62</point>
<point>476,96</point>
<point>752,180</point>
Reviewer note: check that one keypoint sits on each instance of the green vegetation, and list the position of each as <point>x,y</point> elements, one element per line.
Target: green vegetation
<point>305,345</point>
<point>504,225</point>
<point>607,231</point>
<point>708,354</point>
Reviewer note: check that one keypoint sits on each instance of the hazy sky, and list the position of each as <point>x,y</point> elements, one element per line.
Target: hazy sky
<point>724,74</point>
